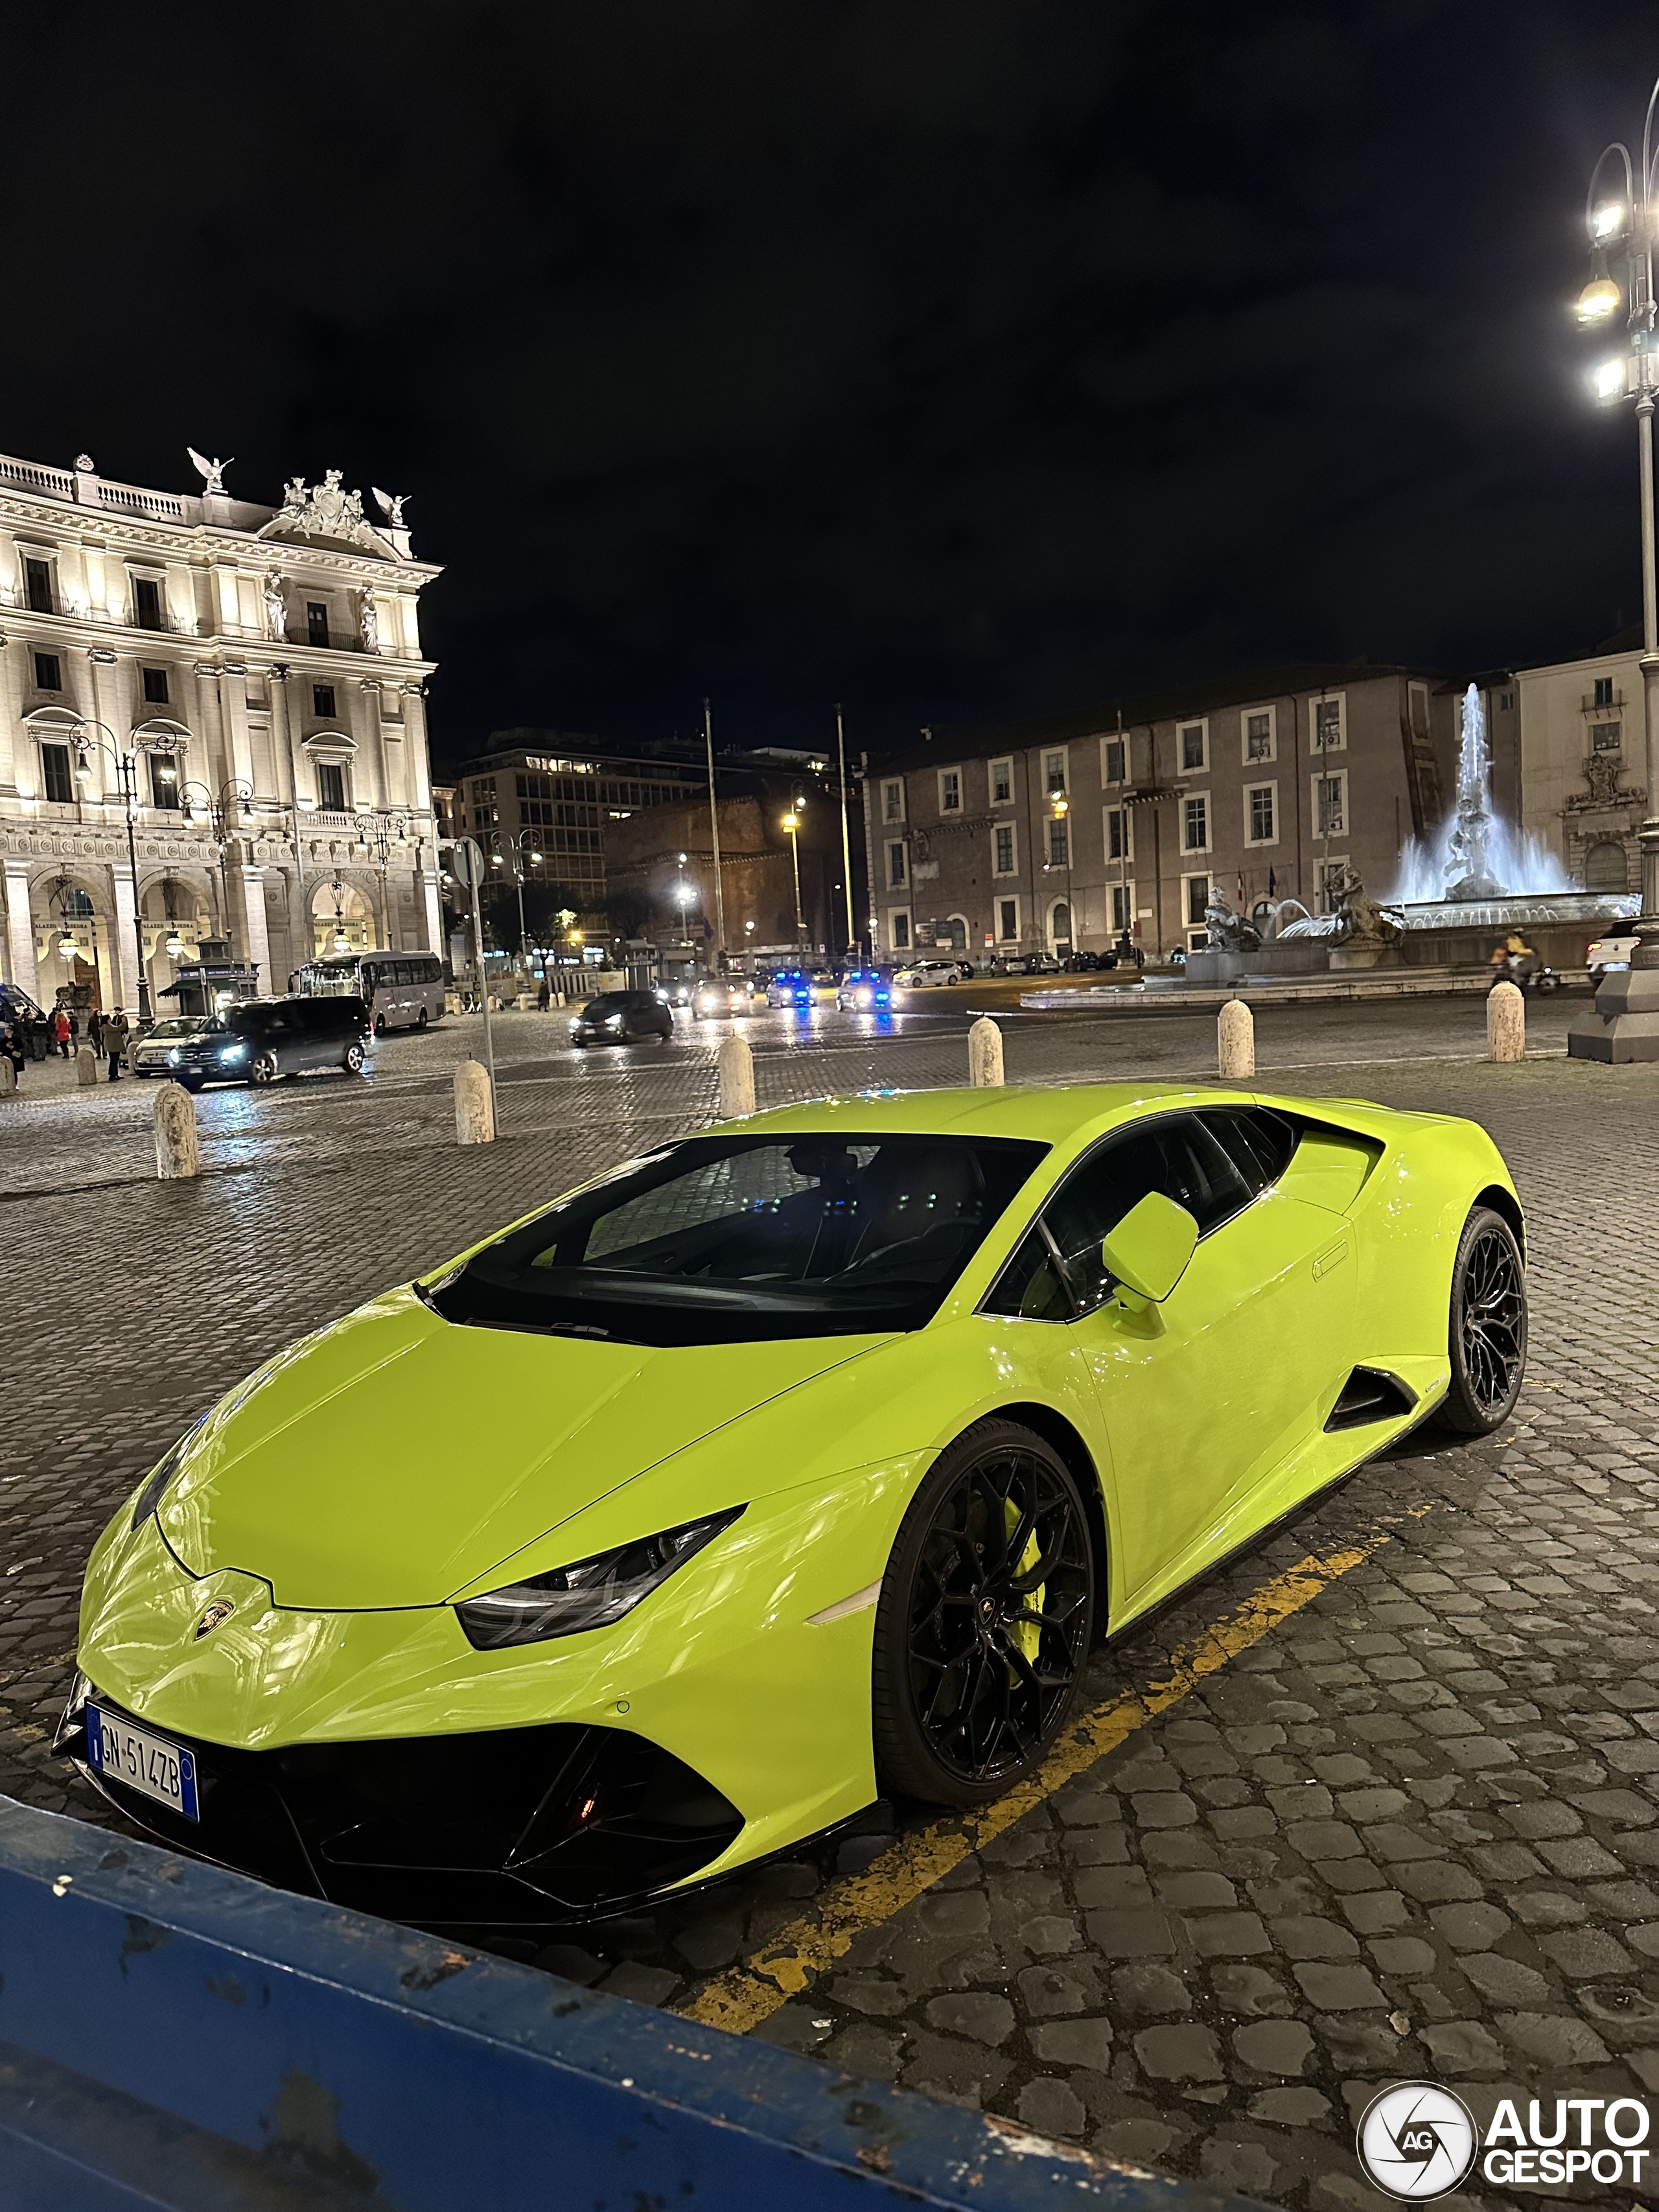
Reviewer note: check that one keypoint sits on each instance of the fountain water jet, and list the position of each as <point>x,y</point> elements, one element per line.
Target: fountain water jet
<point>1475,855</point>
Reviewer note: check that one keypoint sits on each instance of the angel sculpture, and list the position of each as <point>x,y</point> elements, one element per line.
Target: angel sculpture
<point>212,472</point>
<point>391,504</point>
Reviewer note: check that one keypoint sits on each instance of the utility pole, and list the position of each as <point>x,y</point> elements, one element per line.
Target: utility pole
<point>846,834</point>
<point>714,839</point>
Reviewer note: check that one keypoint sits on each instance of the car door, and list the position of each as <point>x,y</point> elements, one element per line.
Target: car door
<point>1205,1397</point>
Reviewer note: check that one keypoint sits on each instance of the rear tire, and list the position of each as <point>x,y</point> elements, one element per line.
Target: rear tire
<point>978,1664</point>
<point>1487,1328</point>
<point>380,1025</point>
<point>421,1019</point>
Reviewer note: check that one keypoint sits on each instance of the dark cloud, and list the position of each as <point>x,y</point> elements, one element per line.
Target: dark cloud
<point>950,359</point>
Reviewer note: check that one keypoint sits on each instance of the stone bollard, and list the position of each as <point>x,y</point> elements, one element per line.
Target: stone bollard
<point>1235,1035</point>
<point>86,1066</point>
<point>177,1154</point>
<point>985,1054</point>
<point>1506,1023</point>
<point>736,1064</point>
<point>7,1077</point>
<point>475,1104</point>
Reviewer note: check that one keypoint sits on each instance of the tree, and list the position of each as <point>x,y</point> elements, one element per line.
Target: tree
<point>628,912</point>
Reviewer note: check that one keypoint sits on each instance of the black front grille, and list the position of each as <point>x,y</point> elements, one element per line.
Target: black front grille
<point>501,1826</point>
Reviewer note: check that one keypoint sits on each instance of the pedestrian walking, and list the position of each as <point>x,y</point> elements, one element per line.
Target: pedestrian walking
<point>60,1032</point>
<point>115,1041</point>
<point>544,996</point>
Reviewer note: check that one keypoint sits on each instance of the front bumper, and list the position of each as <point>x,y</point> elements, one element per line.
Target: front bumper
<point>508,1828</point>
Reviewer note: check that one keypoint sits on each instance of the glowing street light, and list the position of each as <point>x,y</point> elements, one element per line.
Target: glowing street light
<point>792,824</point>
<point>1622,224</point>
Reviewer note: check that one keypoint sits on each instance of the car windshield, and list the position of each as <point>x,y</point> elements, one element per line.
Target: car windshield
<point>729,1240</point>
<point>185,1025</point>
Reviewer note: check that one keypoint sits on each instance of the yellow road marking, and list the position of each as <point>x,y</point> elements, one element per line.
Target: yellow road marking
<point>746,1995</point>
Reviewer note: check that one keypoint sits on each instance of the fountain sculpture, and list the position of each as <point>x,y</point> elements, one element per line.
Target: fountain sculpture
<point>1475,853</point>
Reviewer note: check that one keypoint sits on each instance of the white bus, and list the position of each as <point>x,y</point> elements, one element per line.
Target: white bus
<point>402,990</point>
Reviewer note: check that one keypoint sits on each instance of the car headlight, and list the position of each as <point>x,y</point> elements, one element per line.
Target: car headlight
<point>231,1051</point>
<point>174,1056</point>
<point>576,1021</point>
<point>149,1498</point>
<point>590,1593</point>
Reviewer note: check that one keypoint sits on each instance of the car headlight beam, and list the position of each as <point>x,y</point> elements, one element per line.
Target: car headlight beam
<point>588,1594</point>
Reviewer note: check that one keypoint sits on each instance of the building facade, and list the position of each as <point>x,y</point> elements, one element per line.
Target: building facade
<point>1583,791</point>
<point>781,890</point>
<point>1071,829</point>
<point>542,805</point>
<point>243,687</point>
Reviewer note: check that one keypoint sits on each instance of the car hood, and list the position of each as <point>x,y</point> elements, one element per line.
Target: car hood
<point>393,1458</point>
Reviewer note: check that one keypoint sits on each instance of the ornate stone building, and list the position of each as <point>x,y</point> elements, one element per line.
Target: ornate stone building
<point>1582,785</point>
<point>231,695</point>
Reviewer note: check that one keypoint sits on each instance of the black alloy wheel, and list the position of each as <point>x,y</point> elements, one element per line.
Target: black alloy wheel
<point>1487,1336</point>
<point>983,1624</point>
<point>353,1059</point>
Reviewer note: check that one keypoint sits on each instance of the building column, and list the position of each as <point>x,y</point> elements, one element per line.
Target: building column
<point>122,952</point>
<point>20,931</point>
<point>250,879</point>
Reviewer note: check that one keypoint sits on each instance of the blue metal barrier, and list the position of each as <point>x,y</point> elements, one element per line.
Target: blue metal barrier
<point>173,2036</point>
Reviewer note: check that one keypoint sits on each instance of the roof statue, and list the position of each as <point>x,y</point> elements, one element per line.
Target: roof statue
<point>324,510</point>
<point>392,504</point>
<point>211,473</point>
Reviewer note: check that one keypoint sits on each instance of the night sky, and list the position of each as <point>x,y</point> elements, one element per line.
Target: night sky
<point>952,360</point>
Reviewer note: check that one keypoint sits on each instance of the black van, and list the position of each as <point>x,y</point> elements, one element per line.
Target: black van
<point>257,1042</point>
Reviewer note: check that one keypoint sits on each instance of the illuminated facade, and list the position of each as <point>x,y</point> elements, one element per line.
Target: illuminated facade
<point>246,683</point>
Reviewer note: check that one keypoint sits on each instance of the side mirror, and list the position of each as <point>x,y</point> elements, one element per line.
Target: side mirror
<point>1149,1250</point>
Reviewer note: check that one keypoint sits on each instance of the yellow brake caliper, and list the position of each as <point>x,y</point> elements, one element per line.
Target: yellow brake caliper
<point>1026,1633</point>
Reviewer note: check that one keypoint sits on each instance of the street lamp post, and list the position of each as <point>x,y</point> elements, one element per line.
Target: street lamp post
<point>1624,1026</point>
<point>380,835</point>
<point>1060,807</point>
<point>792,824</point>
<point>518,843</point>
<point>221,809</point>
<point>126,774</point>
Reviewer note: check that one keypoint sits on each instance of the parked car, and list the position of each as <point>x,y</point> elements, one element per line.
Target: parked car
<point>265,1038</point>
<point>1028,963</point>
<point>719,995</point>
<point>865,990</point>
<point>1613,950</point>
<point>621,1017</point>
<point>928,974</point>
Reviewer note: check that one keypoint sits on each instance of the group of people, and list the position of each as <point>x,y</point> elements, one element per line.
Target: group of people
<point>106,1035</point>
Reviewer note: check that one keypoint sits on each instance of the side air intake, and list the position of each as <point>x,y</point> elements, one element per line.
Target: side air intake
<point>1370,1395</point>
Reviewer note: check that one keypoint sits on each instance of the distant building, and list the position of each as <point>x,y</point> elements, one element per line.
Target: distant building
<point>1582,783</point>
<point>543,804</point>
<point>256,672</point>
<point>665,858</point>
<point>1067,829</point>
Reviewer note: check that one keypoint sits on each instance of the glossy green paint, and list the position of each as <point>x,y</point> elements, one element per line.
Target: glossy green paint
<point>1149,1250</point>
<point>346,1495</point>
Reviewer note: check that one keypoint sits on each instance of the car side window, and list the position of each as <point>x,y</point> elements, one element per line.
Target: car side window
<point>1178,1158</point>
<point>1258,1141</point>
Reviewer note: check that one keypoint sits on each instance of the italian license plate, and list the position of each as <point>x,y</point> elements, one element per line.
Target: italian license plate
<point>147,1763</point>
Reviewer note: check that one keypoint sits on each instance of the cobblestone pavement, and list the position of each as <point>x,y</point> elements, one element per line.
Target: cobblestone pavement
<point>1412,1832</point>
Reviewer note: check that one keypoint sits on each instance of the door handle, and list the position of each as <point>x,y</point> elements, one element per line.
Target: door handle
<point>1332,1257</point>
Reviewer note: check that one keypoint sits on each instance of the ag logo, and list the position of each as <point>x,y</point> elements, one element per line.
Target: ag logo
<point>1418,2141</point>
<point>220,1610</point>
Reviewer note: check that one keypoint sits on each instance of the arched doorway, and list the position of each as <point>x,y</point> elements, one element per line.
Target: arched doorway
<point>176,914</point>
<point>1605,866</point>
<point>1060,926</point>
<point>342,920</point>
<point>73,943</point>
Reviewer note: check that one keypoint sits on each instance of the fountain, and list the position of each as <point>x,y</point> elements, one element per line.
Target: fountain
<point>1478,880</point>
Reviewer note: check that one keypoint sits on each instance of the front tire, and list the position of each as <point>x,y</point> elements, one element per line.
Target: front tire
<point>352,1060</point>
<point>1487,1329</point>
<point>264,1070</point>
<point>983,1624</point>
